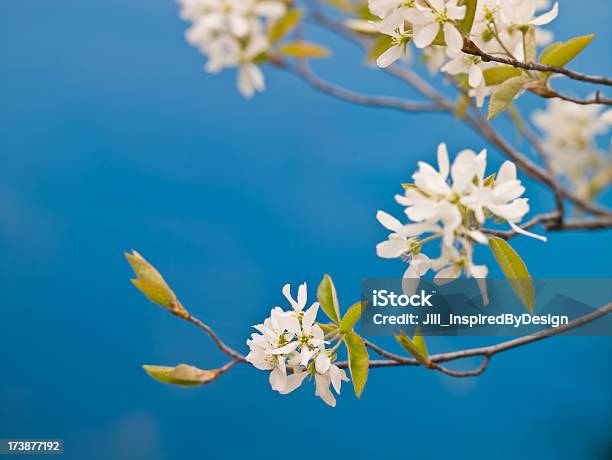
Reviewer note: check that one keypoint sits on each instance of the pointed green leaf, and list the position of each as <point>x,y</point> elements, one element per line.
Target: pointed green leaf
<point>155,293</point>
<point>329,327</point>
<point>358,361</point>
<point>151,283</point>
<point>379,47</point>
<point>415,346</point>
<point>284,25</point>
<point>549,49</point>
<point>503,95</point>
<point>499,74</point>
<point>514,270</point>
<point>303,50</point>
<point>182,375</point>
<point>326,294</point>
<point>560,54</point>
<point>143,269</point>
<point>351,317</point>
<point>465,25</point>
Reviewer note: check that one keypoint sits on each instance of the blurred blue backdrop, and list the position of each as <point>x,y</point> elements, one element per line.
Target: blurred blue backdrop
<point>112,138</point>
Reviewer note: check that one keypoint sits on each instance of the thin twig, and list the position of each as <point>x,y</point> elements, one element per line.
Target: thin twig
<point>475,51</point>
<point>303,71</point>
<point>398,360</point>
<point>218,342</point>
<point>551,223</point>
<point>597,99</point>
<point>491,350</point>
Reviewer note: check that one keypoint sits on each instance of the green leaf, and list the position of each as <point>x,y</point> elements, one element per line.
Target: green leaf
<point>415,346</point>
<point>143,269</point>
<point>151,283</point>
<point>351,317</point>
<point>326,294</point>
<point>329,327</point>
<point>503,95</point>
<point>379,47</point>
<point>182,375</point>
<point>515,271</point>
<point>155,293</point>
<point>529,44</point>
<point>358,361</point>
<point>465,25</point>
<point>549,49</point>
<point>303,50</point>
<point>284,25</point>
<point>560,54</point>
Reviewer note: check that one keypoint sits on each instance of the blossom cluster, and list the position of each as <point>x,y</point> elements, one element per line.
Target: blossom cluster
<point>232,33</point>
<point>291,345</point>
<point>570,144</point>
<point>434,26</point>
<point>452,204</point>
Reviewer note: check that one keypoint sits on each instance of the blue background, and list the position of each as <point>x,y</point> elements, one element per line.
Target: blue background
<point>112,138</point>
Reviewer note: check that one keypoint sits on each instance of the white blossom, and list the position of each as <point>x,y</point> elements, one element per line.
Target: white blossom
<point>232,33</point>
<point>522,12</point>
<point>438,15</point>
<point>452,203</point>
<point>291,345</point>
<point>397,50</point>
<point>323,378</point>
<point>570,142</point>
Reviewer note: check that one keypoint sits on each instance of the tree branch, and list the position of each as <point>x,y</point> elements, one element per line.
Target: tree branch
<point>302,70</point>
<point>551,223</point>
<point>398,360</point>
<point>475,51</point>
<point>238,357</point>
<point>486,352</point>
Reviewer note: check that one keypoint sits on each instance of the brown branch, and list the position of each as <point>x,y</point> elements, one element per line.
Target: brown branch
<point>475,51</point>
<point>595,223</point>
<point>597,99</point>
<point>238,357</point>
<point>486,352</point>
<point>435,360</point>
<point>551,223</point>
<point>303,71</point>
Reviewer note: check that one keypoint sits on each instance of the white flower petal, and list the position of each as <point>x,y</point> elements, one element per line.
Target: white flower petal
<point>454,40</point>
<point>388,221</point>
<point>392,54</point>
<point>322,363</point>
<point>475,76</point>
<point>443,163</point>
<point>546,17</point>
<point>518,229</point>
<point>293,381</point>
<point>424,36</point>
<point>391,248</point>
